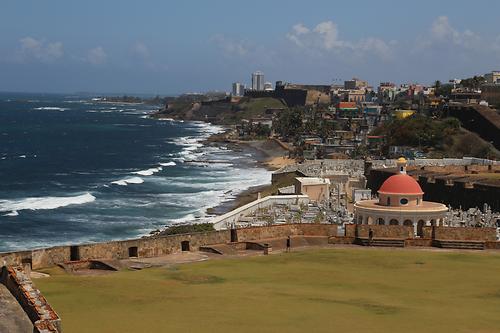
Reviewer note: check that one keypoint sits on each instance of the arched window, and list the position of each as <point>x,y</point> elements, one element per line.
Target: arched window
<point>388,201</point>
<point>403,201</point>
<point>408,223</point>
<point>393,222</point>
<point>380,221</point>
<point>420,228</point>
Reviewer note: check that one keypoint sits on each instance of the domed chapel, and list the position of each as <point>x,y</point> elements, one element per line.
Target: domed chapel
<point>400,202</point>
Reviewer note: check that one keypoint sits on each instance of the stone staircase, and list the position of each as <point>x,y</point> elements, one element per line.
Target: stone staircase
<point>381,242</point>
<point>458,244</point>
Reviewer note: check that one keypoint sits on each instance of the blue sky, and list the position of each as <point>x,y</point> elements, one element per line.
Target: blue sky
<point>170,47</point>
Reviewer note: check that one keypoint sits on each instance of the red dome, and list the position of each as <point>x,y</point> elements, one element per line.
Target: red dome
<point>400,184</point>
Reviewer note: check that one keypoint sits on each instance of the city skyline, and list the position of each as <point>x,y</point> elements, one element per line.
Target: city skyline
<point>173,48</point>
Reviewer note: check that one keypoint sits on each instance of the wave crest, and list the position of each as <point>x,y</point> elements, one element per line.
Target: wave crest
<point>37,203</point>
<point>126,181</point>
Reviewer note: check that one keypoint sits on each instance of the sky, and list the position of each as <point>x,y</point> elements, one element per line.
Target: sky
<point>172,47</point>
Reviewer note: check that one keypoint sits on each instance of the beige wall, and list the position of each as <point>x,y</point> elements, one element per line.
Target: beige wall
<point>395,199</point>
<point>159,246</point>
<point>319,192</point>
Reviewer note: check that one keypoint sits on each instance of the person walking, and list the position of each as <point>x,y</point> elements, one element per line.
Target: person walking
<point>370,236</point>
<point>288,244</point>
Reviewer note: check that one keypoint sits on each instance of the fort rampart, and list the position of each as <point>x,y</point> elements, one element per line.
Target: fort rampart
<point>41,314</point>
<point>157,246</point>
<point>429,233</point>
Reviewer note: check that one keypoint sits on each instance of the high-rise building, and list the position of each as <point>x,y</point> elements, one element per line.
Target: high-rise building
<point>258,81</point>
<point>238,89</point>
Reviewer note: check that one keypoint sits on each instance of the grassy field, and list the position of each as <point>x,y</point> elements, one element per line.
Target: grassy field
<point>329,290</point>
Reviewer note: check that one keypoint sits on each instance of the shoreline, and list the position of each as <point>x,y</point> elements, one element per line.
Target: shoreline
<point>266,153</point>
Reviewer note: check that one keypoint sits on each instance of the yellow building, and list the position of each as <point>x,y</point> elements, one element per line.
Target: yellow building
<point>402,114</point>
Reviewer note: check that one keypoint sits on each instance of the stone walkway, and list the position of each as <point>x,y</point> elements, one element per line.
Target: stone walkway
<point>12,317</point>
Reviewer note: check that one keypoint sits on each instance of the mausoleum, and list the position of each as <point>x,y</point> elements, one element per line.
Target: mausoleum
<point>400,202</point>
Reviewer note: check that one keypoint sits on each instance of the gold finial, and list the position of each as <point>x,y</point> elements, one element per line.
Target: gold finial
<point>401,162</point>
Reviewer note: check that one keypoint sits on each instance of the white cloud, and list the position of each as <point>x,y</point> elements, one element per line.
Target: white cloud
<point>41,50</point>
<point>375,45</point>
<point>328,33</point>
<point>231,47</point>
<point>443,33</point>
<point>324,37</point>
<point>142,50</point>
<point>96,56</point>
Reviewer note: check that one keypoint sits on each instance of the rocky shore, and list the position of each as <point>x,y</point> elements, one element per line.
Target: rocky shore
<point>267,153</point>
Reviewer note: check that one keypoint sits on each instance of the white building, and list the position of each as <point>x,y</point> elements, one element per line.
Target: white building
<point>493,77</point>
<point>258,81</point>
<point>238,89</point>
<point>268,86</point>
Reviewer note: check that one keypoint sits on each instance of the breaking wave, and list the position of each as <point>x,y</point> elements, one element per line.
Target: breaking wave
<point>36,203</point>
<point>130,180</point>
<point>51,108</point>
<point>148,172</point>
<point>168,164</point>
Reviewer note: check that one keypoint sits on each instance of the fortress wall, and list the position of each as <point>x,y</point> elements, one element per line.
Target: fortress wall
<point>158,246</point>
<point>279,231</point>
<point>465,233</point>
<point>36,307</point>
<point>50,256</point>
<point>429,233</point>
<point>14,258</point>
<point>492,245</point>
<point>379,231</point>
<point>152,247</point>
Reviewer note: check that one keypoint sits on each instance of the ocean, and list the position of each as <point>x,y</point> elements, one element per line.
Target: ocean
<point>75,170</point>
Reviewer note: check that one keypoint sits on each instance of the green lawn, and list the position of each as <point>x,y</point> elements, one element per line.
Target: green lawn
<point>255,107</point>
<point>330,290</point>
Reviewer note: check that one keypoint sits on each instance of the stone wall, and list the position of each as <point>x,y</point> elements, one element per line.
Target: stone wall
<point>38,310</point>
<point>158,246</point>
<point>465,233</point>
<point>277,231</point>
<point>379,231</point>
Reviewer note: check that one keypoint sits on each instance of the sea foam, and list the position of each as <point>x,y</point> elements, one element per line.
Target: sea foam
<point>37,203</point>
<point>130,180</point>
<point>148,172</point>
<point>51,108</point>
